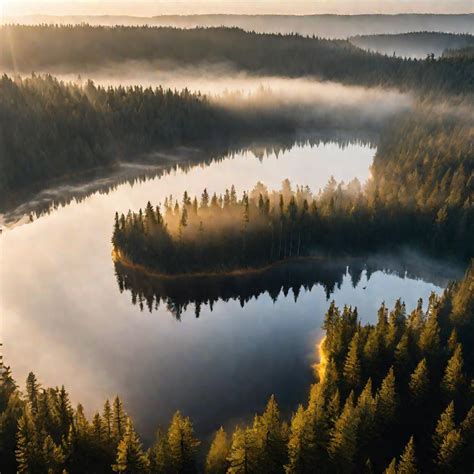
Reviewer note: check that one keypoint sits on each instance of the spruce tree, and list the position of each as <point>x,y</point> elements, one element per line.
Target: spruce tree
<point>387,401</point>
<point>419,383</point>
<point>392,467</point>
<point>242,452</point>
<point>119,419</point>
<point>130,456</point>
<point>343,445</point>
<point>216,460</point>
<point>159,455</point>
<point>53,456</point>
<point>300,444</point>
<point>449,453</point>
<point>453,378</point>
<point>445,425</point>
<point>182,444</point>
<point>32,389</point>
<point>270,441</point>
<point>408,463</point>
<point>107,417</point>
<point>352,369</point>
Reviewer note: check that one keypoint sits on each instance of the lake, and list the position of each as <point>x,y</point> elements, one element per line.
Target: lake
<point>65,318</point>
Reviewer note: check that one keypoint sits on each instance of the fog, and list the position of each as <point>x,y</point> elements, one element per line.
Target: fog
<point>328,26</point>
<point>306,102</point>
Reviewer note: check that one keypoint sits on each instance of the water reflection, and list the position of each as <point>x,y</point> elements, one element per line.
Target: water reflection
<point>63,317</point>
<point>27,206</point>
<point>176,294</point>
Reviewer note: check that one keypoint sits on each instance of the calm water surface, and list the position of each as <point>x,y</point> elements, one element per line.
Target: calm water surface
<point>64,318</point>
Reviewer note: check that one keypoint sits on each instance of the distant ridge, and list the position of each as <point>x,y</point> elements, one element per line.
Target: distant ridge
<point>329,25</point>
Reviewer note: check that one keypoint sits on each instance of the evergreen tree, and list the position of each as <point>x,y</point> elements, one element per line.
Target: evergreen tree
<point>449,454</point>
<point>392,467</point>
<point>159,455</point>
<point>352,369</point>
<point>216,460</point>
<point>119,419</point>
<point>387,401</point>
<point>270,441</point>
<point>130,456</point>
<point>343,445</point>
<point>242,455</point>
<point>419,383</point>
<point>300,444</point>
<point>182,444</point>
<point>445,425</point>
<point>453,379</point>
<point>408,463</point>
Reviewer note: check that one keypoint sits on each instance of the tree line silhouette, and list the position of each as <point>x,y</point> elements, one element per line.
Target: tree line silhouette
<point>80,47</point>
<point>223,233</point>
<point>394,397</point>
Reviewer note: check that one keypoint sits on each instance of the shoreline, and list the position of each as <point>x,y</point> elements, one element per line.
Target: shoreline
<point>119,258</point>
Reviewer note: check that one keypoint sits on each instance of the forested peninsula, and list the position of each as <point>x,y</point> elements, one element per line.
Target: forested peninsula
<point>394,397</point>
<point>420,193</point>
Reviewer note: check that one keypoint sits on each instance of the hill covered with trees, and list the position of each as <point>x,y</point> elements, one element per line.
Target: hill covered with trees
<point>413,45</point>
<point>77,49</point>
<point>394,397</point>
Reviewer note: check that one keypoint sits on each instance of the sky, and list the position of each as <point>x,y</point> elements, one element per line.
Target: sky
<point>161,7</point>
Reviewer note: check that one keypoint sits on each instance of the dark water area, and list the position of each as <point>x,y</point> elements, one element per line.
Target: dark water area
<point>74,318</point>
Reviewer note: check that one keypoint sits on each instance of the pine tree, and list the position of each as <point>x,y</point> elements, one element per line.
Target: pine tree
<point>107,417</point>
<point>300,444</point>
<point>407,464</point>
<point>216,460</point>
<point>343,445</point>
<point>28,450</point>
<point>130,456</point>
<point>453,379</point>
<point>159,455</point>
<point>366,411</point>
<point>449,453</point>
<point>419,383</point>
<point>270,442</point>
<point>119,419</point>
<point>65,412</point>
<point>32,389</point>
<point>445,425</point>
<point>352,369</point>
<point>392,467</point>
<point>53,456</point>
<point>429,342</point>
<point>182,444</point>
<point>242,452</point>
<point>387,401</point>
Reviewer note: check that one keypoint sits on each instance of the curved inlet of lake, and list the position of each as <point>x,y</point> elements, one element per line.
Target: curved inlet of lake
<point>65,318</point>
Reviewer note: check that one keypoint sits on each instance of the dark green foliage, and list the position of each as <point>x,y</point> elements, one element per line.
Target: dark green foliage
<point>49,128</point>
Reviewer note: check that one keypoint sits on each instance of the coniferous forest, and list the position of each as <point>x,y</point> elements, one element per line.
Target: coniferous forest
<point>408,379</point>
<point>36,48</point>
<point>393,391</point>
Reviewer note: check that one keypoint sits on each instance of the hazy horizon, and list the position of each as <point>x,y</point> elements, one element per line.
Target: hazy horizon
<point>15,8</point>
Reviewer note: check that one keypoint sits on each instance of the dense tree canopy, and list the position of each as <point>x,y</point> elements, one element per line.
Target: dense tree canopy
<point>396,395</point>
<point>77,48</point>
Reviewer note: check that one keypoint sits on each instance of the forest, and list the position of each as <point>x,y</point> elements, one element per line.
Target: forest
<point>50,129</point>
<point>393,397</point>
<point>418,44</point>
<point>79,48</point>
